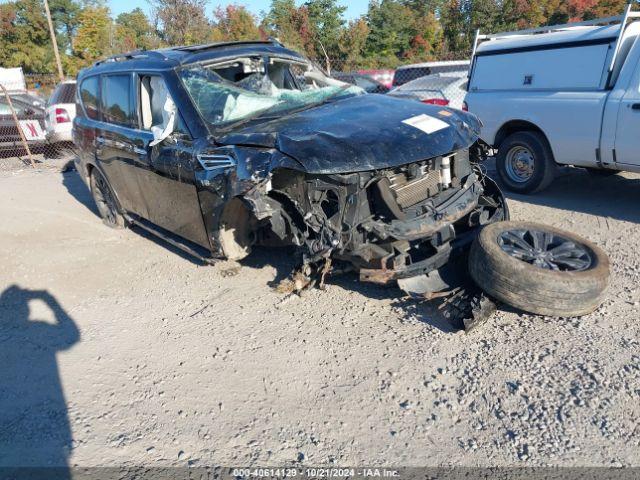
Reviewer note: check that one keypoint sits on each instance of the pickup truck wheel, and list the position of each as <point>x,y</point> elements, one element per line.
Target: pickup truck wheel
<point>105,201</point>
<point>525,163</point>
<point>539,269</point>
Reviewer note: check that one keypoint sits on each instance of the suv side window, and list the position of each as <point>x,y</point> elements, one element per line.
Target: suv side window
<point>117,101</point>
<point>90,97</point>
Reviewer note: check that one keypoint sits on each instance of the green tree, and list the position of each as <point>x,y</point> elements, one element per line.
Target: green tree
<point>65,15</point>
<point>134,32</point>
<point>327,23</point>
<point>26,41</point>
<point>390,31</point>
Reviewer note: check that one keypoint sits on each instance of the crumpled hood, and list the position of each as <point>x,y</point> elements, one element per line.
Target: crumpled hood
<point>364,132</point>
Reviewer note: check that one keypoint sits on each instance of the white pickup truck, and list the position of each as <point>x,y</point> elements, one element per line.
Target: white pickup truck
<point>566,94</point>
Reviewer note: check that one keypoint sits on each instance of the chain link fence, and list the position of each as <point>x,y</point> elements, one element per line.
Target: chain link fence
<point>36,114</point>
<point>31,127</point>
<point>441,82</point>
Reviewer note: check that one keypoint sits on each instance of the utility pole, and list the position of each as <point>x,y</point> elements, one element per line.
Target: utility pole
<point>53,41</point>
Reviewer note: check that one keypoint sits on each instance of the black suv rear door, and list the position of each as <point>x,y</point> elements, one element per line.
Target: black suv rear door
<point>116,139</point>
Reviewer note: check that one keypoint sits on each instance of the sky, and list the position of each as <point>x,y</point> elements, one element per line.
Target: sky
<point>355,8</point>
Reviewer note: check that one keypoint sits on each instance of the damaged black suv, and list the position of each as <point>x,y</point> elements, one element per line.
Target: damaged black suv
<point>220,147</point>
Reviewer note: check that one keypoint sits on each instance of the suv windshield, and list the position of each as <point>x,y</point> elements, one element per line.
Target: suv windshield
<point>250,87</point>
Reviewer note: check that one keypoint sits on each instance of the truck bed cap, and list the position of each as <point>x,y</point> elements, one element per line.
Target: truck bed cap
<point>572,35</point>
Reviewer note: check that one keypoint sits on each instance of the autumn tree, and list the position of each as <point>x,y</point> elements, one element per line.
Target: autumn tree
<point>291,26</point>
<point>608,8</point>
<point>182,22</point>
<point>426,40</point>
<point>93,40</point>
<point>390,33</point>
<point>521,14</point>
<point>352,44</point>
<point>234,22</point>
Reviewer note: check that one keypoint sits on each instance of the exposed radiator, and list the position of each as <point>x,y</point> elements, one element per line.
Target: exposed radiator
<point>410,192</point>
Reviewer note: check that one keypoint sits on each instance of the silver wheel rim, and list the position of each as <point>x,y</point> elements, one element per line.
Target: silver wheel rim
<point>519,164</point>
<point>546,250</point>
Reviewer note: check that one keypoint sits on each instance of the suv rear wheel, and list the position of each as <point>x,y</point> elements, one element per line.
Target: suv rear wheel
<point>105,200</point>
<point>525,163</point>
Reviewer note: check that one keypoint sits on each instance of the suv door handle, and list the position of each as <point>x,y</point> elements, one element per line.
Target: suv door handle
<point>635,106</point>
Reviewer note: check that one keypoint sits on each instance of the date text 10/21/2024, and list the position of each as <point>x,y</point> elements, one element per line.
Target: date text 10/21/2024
<point>311,472</point>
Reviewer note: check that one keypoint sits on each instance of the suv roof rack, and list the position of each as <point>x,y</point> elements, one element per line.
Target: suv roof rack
<point>207,46</point>
<point>621,19</point>
<point>131,55</point>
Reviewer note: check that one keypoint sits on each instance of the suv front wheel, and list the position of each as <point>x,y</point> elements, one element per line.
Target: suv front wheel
<point>105,200</point>
<point>525,163</point>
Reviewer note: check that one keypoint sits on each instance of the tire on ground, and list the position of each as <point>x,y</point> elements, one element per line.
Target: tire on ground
<point>544,170</point>
<point>107,207</point>
<point>533,289</point>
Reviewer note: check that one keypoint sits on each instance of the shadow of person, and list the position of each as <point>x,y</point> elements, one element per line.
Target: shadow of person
<point>34,426</point>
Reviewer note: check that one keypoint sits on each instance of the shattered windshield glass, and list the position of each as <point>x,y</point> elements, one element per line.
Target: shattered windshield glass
<point>251,87</point>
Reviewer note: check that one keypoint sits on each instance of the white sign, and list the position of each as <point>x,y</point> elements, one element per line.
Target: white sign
<point>426,123</point>
<point>12,79</point>
<point>31,129</point>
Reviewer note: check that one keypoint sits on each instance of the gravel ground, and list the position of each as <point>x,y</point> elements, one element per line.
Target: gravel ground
<point>115,349</point>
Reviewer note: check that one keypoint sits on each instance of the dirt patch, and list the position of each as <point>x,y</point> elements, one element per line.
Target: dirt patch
<point>162,360</point>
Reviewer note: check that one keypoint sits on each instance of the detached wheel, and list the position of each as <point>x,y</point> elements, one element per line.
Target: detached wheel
<point>105,200</point>
<point>539,269</point>
<point>525,162</point>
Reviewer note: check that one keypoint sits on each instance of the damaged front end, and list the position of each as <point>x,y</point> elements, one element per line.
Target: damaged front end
<point>402,223</point>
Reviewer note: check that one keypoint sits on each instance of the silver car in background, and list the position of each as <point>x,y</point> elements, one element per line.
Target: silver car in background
<point>445,89</point>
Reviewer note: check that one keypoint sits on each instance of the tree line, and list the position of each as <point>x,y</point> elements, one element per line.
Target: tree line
<point>390,33</point>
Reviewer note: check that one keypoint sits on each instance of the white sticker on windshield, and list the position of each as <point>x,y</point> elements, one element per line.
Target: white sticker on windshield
<point>426,123</point>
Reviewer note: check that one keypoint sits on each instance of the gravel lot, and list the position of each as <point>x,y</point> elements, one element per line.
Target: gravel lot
<point>116,349</point>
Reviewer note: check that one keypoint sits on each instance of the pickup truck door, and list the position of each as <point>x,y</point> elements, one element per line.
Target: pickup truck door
<point>627,143</point>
